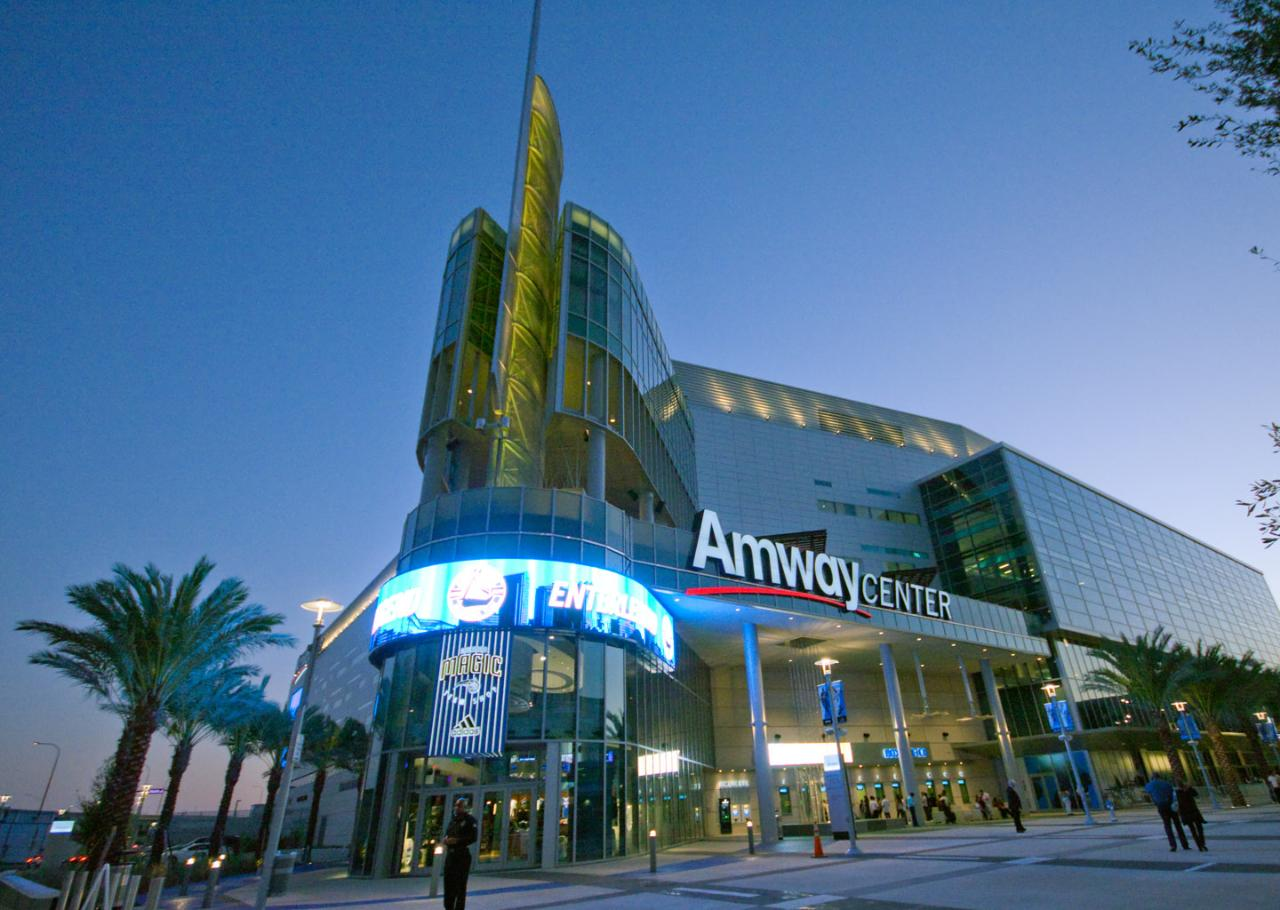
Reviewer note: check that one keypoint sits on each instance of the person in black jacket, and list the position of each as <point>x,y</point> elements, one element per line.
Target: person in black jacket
<point>458,838</point>
<point>1189,812</point>
<point>1014,802</point>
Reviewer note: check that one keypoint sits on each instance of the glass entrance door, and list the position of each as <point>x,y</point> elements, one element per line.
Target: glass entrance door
<point>507,821</point>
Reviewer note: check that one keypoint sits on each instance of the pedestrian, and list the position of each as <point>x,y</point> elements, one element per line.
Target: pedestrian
<point>984,805</point>
<point>1161,793</point>
<point>945,808</point>
<point>865,806</point>
<point>1273,784</point>
<point>926,800</point>
<point>1189,812</point>
<point>874,805</point>
<point>911,810</point>
<point>1014,802</point>
<point>458,838</point>
<point>897,805</point>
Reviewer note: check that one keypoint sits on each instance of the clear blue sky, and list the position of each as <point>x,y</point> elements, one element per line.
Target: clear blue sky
<point>223,227</point>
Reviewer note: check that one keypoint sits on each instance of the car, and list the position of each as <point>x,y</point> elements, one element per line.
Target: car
<point>196,849</point>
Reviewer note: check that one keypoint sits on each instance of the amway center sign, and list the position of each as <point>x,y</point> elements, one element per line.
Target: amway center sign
<point>831,578</point>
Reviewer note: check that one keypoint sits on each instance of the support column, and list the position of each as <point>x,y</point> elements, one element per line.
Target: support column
<point>906,762</point>
<point>551,807</point>
<point>968,689</point>
<point>767,822</point>
<point>595,463</point>
<point>646,506</point>
<point>434,460</point>
<point>1012,769</point>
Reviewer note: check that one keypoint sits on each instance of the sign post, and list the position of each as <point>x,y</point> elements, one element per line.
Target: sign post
<point>1189,731</point>
<point>831,702</point>
<point>1060,721</point>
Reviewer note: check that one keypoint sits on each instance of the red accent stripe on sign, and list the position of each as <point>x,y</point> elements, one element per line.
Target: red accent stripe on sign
<point>777,592</point>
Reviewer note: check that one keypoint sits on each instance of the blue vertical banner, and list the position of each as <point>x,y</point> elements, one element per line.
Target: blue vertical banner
<point>1266,732</point>
<point>1188,729</point>
<point>469,716</point>
<point>831,703</point>
<point>1059,714</point>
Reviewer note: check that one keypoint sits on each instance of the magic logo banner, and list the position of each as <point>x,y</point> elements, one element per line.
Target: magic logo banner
<point>469,715</point>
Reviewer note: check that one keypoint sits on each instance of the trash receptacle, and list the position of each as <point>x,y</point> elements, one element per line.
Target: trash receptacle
<point>281,872</point>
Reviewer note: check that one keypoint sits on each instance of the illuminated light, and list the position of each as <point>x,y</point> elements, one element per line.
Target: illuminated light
<point>652,764</point>
<point>789,755</point>
<point>521,593</point>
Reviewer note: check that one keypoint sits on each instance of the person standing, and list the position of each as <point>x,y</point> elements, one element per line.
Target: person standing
<point>984,805</point>
<point>1273,785</point>
<point>926,801</point>
<point>1014,802</point>
<point>1189,812</point>
<point>1161,793</point>
<point>874,805</point>
<point>458,838</point>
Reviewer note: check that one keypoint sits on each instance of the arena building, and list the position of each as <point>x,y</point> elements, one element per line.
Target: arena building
<point>607,607</point>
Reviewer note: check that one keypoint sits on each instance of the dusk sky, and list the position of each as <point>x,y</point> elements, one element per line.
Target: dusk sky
<point>223,228</point>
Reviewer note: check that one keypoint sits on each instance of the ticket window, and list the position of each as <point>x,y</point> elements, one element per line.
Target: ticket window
<point>931,786</point>
<point>964,790</point>
<point>784,800</point>
<point>879,791</point>
<point>726,816</point>
<point>946,791</point>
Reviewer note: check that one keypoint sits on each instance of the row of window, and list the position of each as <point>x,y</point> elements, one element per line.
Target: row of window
<point>858,511</point>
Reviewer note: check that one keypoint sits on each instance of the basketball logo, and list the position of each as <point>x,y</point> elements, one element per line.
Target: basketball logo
<point>476,593</point>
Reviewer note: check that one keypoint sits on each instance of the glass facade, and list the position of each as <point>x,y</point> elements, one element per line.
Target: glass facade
<point>981,542</point>
<point>614,368</point>
<point>457,382</point>
<point>1109,570</point>
<point>626,740</point>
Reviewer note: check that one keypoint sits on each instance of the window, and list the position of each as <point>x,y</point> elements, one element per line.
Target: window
<point>822,483</point>
<point>854,510</point>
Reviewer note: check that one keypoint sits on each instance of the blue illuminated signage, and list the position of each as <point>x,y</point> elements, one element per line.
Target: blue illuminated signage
<point>916,752</point>
<point>511,593</point>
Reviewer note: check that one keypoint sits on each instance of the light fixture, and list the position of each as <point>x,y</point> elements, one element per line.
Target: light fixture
<point>1050,689</point>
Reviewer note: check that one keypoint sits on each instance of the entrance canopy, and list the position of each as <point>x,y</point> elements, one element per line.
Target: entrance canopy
<point>712,625</point>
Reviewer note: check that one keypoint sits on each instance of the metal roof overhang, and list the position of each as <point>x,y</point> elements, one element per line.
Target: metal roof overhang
<point>712,626</point>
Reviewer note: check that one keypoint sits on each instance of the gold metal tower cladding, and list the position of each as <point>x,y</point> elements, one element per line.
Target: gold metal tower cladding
<point>529,319</point>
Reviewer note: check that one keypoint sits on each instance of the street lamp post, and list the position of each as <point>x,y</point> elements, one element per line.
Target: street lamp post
<point>1190,732</point>
<point>57,754</point>
<point>826,664</point>
<point>319,608</point>
<point>1051,689</point>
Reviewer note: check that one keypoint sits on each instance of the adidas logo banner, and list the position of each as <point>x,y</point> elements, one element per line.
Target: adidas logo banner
<point>469,714</point>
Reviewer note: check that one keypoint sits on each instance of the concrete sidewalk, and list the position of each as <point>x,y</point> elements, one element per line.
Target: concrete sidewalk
<point>1059,864</point>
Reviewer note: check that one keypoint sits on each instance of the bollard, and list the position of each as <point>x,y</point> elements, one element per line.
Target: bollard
<point>436,863</point>
<point>128,887</point>
<point>751,838</point>
<point>134,881</point>
<point>185,885</point>
<point>77,889</point>
<point>653,850</point>
<point>64,894</point>
<point>1111,808</point>
<point>211,886</point>
<point>154,892</point>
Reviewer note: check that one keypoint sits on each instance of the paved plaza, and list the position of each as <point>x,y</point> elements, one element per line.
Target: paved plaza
<point>1058,863</point>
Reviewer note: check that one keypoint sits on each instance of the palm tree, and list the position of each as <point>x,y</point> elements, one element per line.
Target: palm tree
<point>1148,669</point>
<point>1212,691</point>
<point>148,641</point>
<point>238,728</point>
<point>270,740</point>
<point>191,716</point>
<point>329,745</point>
